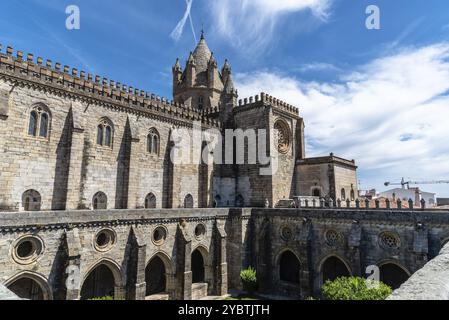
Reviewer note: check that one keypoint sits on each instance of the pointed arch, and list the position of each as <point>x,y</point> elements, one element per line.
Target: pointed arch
<point>289,266</point>
<point>30,285</point>
<point>392,273</point>
<point>104,278</point>
<point>332,267</point>
<point>159,275</point>
<point>150,201</point>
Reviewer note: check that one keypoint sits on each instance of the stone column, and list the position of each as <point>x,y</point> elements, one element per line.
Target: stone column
<point>137,281</point>
<point>184,264</point>
<point>305,276</point>
<point>76,161</point>
<point>221,274</point>
<point>73,282</point>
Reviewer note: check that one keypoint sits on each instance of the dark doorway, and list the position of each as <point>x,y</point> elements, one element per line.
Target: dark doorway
<point>334,268</point>
<point>289,268</point>
<point>100,283</point>
<point>197,267</point>
<point>27,288</point>
<point>393,275</point>
<point>155,277</point>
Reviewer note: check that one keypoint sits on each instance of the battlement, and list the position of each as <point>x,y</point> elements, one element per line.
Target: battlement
<point>79,82</point>
<point>265,98</point>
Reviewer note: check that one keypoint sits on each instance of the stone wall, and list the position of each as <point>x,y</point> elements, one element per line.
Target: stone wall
<point>231,239</point>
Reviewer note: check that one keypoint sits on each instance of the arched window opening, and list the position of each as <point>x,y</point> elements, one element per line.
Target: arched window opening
<point>100,201</point>
<point>27,288</point>
<point>150,201</point>
<point>31,200</point>
<point>334,268</point>
<point>100,135</point>
<point>105,133</point>
<point>239,201</point>
<point>32,129</point>
<point>153,142</point>
<point>39,123</point>
<point>155,277</point>
<point>43,131</point>
<point>200,102</point>
<point>188,201</point>
<point>289,268</point>
<point>108,136</point>
<point>393,275</point>
<point>352,195</point>
<point>198,274</point>
<point>316,193</point>
<point>343,194</point>
<point>100,283</point>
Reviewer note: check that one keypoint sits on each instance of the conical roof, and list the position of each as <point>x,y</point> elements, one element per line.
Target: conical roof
<point>202,55</point>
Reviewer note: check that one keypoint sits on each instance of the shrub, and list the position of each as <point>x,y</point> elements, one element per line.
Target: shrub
<point>249,279</point>
<point>102,298</point>
<point>354,288</point>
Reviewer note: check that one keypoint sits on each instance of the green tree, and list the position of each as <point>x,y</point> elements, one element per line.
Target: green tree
<point>354,288</point>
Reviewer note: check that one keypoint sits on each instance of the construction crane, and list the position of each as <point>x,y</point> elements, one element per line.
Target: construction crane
<point>407,184</point>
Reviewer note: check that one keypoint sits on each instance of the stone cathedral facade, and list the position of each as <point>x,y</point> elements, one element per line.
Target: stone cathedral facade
<point>91,203</point>
<point>73,141</point>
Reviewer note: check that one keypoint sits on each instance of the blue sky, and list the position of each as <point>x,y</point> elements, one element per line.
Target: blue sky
<point>378,96</point>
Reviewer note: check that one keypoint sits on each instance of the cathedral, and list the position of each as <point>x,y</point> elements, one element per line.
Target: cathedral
<point>72,141</point>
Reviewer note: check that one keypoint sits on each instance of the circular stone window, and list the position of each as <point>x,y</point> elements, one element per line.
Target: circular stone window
<point>332,238</point>
<point>283,136</point>
<point>105,240</point>
<point>200,231</point>
<point>286,233</point>
<point>27,250</point>
<point>389,240</point>
<point>159,236</point>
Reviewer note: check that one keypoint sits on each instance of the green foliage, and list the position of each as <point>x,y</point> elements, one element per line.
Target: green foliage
<point>354,288</point>
<point>249,279</point>
<point>108,298</point>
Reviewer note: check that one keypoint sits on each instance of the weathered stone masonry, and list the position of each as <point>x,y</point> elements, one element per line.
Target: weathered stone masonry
<point>229,240</point>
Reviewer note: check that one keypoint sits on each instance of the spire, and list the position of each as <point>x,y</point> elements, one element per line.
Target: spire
<point>226,67</point>
<point>177,66</point>
<point>202,54</point>
<point>191,59</point>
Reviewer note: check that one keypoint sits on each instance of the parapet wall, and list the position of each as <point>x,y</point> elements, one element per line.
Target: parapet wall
<point>94,89</point>
<point>258,101</point>
<point>429,283</point>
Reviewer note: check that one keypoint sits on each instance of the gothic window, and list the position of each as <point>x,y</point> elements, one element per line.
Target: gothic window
<point>33,123</point>
<point>316,193</point>
<point>188,201</point>
<point>343,194</point>
<point>352,195</point>
<point>150,201</point>
<point>100,201</point>
<point>31,200</point>
<point>39,122</point>
<point>200,102</point>
<point>283,136</point>
<point>153,142</point>
<point>105,133</point>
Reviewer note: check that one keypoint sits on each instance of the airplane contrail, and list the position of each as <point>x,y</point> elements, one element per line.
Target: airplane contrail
<point>177,32</point>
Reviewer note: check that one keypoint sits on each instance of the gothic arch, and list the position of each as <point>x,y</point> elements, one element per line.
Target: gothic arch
<point>105,132</point>
<point>167,273</point>
<point>204,273</point>
<point>392,273</point>
<point>288,259</point>
<point>106,268</point>
<point>31,200</point>
<point>14,284</point>
<point>333,266</point>
<point>100,201</point>
<point>39,120</point>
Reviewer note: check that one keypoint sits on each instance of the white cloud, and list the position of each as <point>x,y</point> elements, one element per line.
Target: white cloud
<point>249,24</point>
<point>391,115</point>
